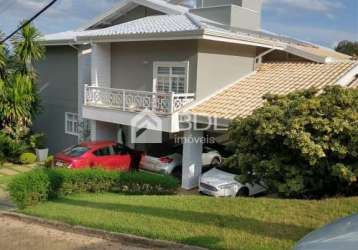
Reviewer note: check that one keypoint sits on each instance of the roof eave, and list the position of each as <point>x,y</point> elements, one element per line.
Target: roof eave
<point>181,35</point>
<point>242,39</point>
<point>307,55</point>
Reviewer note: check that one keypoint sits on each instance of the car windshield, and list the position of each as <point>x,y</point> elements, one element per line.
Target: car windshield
<point>76,151</point>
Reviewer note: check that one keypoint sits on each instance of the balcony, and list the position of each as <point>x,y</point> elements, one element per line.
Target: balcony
<point>136,101</point>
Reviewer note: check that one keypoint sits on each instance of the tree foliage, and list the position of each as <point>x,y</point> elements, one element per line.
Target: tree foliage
<point>348,47</point>
<point>19,100</point>
<point>304,144</point>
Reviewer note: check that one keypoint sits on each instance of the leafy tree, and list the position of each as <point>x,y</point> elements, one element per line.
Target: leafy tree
<point>304,144</point>
<point>19,101</point>
<point>348,47</point>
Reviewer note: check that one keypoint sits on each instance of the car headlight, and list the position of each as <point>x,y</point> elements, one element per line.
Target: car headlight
<point>227,186</point>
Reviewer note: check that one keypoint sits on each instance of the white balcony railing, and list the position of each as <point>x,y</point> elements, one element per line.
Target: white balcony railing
<point>136,101</point>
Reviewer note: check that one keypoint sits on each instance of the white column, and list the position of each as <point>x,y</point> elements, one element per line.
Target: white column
<point>103,131</point>
<point>84,77</point>
<point>101,65</point>
<point>192,163</point>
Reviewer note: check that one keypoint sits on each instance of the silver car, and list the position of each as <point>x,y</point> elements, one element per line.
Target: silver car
<point>339,235</point>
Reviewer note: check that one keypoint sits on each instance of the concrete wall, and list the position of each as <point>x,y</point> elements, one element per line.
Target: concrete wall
<point>58,79</point>
<point>211,3</point>
<point>132,63</point>
<point>245,14</point>
<point>244,18</point>
<point>101,65</point>
<point>212,65</point>
<point>220,64</point>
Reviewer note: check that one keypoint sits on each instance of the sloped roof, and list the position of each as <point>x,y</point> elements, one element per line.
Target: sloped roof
<point>242,98</point>
<point>67,36</point>
<point>178,23</point>
<point>159,5</point>
<point>326,54</point>
<point>146,25</point>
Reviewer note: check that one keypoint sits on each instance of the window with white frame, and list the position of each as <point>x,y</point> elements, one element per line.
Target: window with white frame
<point>171,77</point>
<point>71,123</point>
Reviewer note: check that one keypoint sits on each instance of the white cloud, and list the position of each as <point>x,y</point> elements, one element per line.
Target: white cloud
<point>325,6</point>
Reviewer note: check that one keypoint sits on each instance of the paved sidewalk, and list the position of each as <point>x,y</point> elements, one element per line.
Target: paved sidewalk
<point>20,235</point>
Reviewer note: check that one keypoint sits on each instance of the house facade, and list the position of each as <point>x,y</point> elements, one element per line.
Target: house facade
<point>167,60</point>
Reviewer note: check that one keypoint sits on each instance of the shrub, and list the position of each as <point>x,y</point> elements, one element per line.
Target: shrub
<point>40,185</point>
<point>30,188</point>
<point>301,145</point>
<point>27,158</point>
<point>11,148</point>
<point>67,181</point>
<point>146,183</point>
<point>50,161</point>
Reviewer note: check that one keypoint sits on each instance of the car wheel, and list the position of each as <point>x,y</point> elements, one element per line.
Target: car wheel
<point>215,163</point>
<point>243,192</point>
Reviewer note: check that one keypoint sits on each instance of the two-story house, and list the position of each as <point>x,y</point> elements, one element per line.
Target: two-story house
<point>210,63</point>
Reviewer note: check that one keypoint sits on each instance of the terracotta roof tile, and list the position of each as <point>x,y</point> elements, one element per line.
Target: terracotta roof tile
<point>354,84</point>
<point>324,52</point>
<point>242,98</point>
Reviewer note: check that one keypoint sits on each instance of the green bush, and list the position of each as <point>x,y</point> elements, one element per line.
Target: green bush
<point>30,188</point>
<point>27,158</point>
<point>40,185</point>
<point>301,145</point>
<point>11,148</point>
<point>144,183</point>
<point>66,181</point>
<point>50,161</point>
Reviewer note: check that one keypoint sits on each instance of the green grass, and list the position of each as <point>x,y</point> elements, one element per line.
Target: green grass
<point>232,223</point>
<point>17,169</point>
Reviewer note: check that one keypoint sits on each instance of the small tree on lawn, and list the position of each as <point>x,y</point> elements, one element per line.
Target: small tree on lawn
<point>303,144</point>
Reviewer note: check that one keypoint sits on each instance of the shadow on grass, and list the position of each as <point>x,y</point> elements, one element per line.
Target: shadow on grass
<point>249,225</point>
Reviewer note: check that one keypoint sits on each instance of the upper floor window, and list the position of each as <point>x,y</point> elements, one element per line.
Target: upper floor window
<point>171,77</point>
<point>71,123</point>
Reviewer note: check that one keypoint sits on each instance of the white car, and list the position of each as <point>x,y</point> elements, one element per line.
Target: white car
<point>157,162</point>
<point>219,183</point>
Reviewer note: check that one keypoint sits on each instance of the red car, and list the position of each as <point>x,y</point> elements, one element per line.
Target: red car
<point>104,154</point>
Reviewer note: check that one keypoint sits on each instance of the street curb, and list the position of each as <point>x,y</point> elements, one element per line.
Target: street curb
<point>125,239</point>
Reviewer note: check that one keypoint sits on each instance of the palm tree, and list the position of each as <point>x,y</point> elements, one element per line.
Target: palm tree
<point>27,47</point>
<point>19,101</point>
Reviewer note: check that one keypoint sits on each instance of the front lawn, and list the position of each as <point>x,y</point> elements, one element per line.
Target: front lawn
<point>233,223</point>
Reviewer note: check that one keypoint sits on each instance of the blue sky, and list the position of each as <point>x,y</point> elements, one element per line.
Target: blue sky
<point>323,22</point>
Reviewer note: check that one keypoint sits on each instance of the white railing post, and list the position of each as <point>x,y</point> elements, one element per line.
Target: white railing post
<point>124,100</point>
<point>171,102</point>
<point>85,94</point>
<point>161,103</point>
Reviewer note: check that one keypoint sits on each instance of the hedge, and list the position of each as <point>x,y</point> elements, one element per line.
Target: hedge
<point>146,183</point>
<point>40,185</point>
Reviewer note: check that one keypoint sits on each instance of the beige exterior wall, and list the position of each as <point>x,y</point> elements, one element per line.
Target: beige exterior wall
<point>220,64</point>
<point>132,62</point>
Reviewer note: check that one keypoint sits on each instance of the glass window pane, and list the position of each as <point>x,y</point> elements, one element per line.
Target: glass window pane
<point>163,70</point>
<point>178,71</point>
